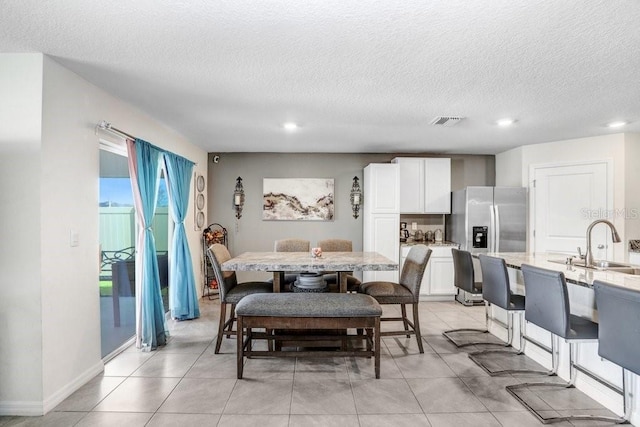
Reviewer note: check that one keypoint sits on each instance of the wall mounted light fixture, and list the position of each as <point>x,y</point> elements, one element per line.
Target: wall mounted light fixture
<point>238,198</point>
<point>356,197</point>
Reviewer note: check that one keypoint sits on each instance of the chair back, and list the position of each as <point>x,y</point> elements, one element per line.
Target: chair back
<point>495,281</point>
<point>463,277</point>
<point>547,299</point>
<point>218,254</point>
<point>413,269</point>
<point>619,325</point>
<point>292,245</point>
<point>335,245</point>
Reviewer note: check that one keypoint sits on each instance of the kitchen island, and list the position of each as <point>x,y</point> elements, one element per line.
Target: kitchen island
<point>580,287</point>
<point>573,274</point>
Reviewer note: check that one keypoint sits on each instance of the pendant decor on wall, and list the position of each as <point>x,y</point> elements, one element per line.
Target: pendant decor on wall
<point>293,199</point>
<point>200,201</point>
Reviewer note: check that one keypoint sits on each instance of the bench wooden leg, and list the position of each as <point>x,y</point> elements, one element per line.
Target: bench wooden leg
<point>240,347</point>
<point>376,334</point>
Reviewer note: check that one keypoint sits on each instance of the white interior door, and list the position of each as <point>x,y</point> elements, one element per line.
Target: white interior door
<point>566,199</point>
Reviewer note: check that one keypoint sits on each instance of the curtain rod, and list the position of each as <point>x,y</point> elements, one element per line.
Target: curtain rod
<point>104,125</point>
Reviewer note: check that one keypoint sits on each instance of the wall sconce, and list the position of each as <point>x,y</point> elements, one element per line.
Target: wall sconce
<point>356,197</point>
<point>238,198</point>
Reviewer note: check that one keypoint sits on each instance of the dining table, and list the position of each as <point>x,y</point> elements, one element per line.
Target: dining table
<point>281,262</point>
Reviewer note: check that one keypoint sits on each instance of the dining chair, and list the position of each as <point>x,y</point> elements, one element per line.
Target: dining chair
<point>231,292</point>
<point>291,245</point>
<point>407,291</point>
<point>331,277</point>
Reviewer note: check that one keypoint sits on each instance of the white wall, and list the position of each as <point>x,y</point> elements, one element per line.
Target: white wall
<point>20,180</point>
<point>509,169</point>
<point>632,186</point>
<point>254,234</point>
<point>519,160</point>
<point>68,318</point>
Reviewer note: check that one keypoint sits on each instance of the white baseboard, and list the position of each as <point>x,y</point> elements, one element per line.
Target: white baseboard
<point>39,408</point>
<point>437,298</point>
<point>56,398</point>
<point>23,408</point>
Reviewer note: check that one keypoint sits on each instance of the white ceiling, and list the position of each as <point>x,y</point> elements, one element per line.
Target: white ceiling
<point>358,76</point>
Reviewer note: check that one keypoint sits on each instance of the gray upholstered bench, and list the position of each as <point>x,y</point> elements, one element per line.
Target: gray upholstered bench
<point>327,312</point>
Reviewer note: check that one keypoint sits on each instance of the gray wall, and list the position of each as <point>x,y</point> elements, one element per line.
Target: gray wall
<point>251,233</point>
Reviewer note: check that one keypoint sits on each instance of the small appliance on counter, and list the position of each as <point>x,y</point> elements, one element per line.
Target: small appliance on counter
<point>418,236</point>
<point>428,236</point>
<point>404,233</point>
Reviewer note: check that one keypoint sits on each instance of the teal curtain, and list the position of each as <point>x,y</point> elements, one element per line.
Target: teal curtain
<point>183,301</point>
<point>144,169</point>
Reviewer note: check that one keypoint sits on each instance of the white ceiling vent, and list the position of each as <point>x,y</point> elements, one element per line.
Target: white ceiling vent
<point>445,121</point>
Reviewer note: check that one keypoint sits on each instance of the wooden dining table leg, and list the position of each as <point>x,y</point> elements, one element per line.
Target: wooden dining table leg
<point>342,279</point>
<point>278,281</point>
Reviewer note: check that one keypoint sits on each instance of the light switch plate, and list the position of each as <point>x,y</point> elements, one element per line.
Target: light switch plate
<point>74,238</point>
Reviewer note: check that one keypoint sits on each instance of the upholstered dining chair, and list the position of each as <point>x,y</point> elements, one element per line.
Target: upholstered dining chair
<point>407,291</point>
<point>291,245</point>
<point>331,277</point>
<point>231,292</point>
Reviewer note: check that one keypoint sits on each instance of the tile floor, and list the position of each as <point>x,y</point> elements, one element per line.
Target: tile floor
<point>186,384</point>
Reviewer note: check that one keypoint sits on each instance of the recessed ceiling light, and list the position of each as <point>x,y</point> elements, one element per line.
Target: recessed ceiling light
<point>290,126</point>
<point>505,122</point>
<point>616,124</point>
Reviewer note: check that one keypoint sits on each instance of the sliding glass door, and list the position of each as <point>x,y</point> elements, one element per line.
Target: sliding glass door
<point>117,247</point>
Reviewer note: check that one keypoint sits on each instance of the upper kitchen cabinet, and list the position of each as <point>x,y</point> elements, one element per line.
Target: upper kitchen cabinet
<point>381,193</point>
<point>425,185</point>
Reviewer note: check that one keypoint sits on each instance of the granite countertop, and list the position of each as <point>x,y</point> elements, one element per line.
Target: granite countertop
<point>441,244</point>
<point>577,275</point>
<point>302,261</point>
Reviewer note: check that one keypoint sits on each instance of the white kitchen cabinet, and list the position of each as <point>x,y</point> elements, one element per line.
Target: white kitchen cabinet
<point>425,185</point>
<point>437,282</point>
<point>381,188</point>
<point>381,216</point>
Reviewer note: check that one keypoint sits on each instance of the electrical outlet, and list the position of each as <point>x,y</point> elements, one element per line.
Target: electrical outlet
<point>414,226</point>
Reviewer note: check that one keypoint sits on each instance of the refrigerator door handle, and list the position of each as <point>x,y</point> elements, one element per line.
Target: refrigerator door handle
<point>497,226</point>
<point>491,236</point>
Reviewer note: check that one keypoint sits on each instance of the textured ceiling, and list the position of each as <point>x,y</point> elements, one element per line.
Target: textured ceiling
<point>358,76</point>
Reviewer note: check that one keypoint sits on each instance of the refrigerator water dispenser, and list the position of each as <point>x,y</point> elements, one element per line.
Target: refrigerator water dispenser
<point>480,235</point>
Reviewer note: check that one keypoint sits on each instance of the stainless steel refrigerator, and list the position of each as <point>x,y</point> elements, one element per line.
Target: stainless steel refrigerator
<point>488,219</point>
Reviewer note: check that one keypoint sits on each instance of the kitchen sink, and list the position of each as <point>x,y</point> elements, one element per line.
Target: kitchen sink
<point>602,265</point>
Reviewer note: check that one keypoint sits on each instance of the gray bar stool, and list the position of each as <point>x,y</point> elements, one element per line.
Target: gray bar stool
<point>496,291</point>
<point>464,280</point>
<point>547,306</point>
<point>619,307</point>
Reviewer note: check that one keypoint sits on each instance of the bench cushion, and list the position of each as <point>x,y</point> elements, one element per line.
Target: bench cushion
<point>308,305</point>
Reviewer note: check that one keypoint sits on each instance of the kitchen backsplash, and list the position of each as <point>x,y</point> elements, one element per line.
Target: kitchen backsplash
<point>423,222</point>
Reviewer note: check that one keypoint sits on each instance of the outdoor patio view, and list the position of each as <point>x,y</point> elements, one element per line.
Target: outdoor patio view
<point>117,244</point>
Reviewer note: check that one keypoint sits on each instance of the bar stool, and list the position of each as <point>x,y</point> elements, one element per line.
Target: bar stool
<point>496,291</point>
<point>620,345</point>
<point>464,280</point>
<point>547,306</point>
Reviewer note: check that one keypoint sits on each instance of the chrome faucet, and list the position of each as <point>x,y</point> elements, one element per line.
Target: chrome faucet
<point>588,261</point>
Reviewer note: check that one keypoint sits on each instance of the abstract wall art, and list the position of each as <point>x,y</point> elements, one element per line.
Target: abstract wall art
<point>297,199</point>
